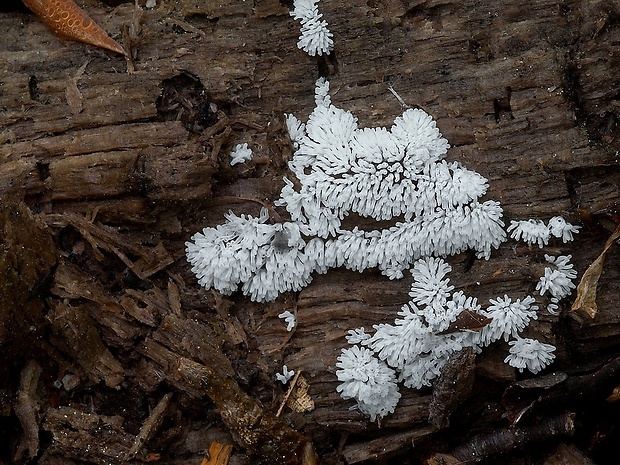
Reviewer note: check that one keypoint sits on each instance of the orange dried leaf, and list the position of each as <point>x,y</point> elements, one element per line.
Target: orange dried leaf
<point>69,21</point>
<point>586,290</point>
<point>219,454</point>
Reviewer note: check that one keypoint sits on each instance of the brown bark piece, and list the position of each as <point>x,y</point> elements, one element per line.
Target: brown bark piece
<point>567,454</point>
<point>75,333</point>
<point>27,261</point>
<point>150,426</point>
<point>26,408</point>
<point>452,388</point>
<point>80,435</point>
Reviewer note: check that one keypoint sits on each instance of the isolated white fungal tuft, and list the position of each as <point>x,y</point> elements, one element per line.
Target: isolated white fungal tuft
<point>286,375</point>
<point>289,319</point>
<point>240,154</point>
<point>558,278</point>
<point>530,353</point>
<point>315,38</point>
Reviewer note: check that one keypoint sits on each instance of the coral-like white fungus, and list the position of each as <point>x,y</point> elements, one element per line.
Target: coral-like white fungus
<point>240,154</point>
<point>530,353</point>
<point>558,279</point>
<point>356,336</point>
<point>340,168</point>
<point>509,318</point>
<point>530,231</point>
<point>267,258</point>
<point>552,306</point>
<point>559,227</point>
<point>431,288</point>
<point>383,174</point>
<point>537,232</point>
<point>418,345</point>
<point>289,319</point>
<point>367,380</point>
<point>396,175</point>
<point>296,129</point>
<point>315,38</point>
<point>286,375</point>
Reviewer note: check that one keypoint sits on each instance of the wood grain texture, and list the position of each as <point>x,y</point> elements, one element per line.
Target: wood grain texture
<point>526,95</point>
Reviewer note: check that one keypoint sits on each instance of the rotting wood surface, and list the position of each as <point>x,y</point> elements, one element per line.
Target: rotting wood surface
<point>125,166</point>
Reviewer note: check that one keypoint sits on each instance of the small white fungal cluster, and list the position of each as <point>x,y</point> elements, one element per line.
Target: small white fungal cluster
<point>367,380</point>
<point>417,346</point>
<point>240,154</point>
<point>289,319</point>
<point>286,375</point>
<point>315,38</point>
<point>529,353</point>
<point>557,280</point>
<point>341,169</point>
<point>537,232</point>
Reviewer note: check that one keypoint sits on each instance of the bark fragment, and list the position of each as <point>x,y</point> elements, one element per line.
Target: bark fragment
<point>76,334</point>
<point>27,408</point>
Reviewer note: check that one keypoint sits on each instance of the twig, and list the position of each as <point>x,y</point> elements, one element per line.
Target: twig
<point>504,440</point>
<point>289,392</point>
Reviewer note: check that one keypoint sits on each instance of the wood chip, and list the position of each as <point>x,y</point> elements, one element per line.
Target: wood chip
<point>149,426</point>
<point>219,454</point>
<point>26,408</point>
<point>75,333</point>
<point>296,396</point>
<point>74,97</point>
<point>453,387</point>
<point>101,237</point>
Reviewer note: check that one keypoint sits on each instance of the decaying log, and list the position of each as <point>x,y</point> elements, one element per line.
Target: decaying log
<point>123,167</point>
